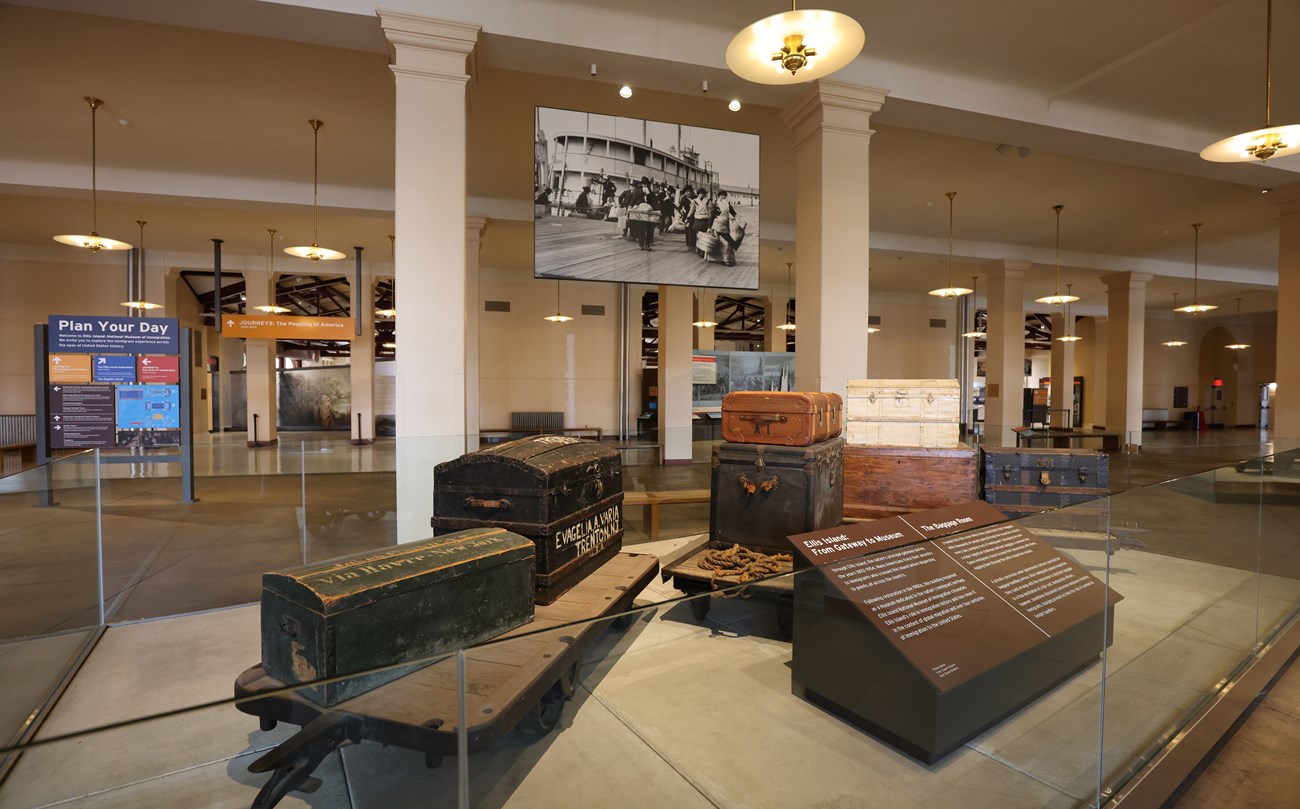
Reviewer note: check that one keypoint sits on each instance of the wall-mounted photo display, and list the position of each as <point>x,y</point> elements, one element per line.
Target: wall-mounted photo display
<point>647,202</point>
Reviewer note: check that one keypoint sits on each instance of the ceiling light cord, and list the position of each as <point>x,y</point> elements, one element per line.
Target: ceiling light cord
<point>950,195</point>
<point>1058,209</point>
<point>1196,262</point>
<point>94,180</point>
<point>315,177</point>
<point>1268,67</point>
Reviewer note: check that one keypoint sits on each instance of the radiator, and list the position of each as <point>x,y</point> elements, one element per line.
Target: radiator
<point>19,430</point>
<point>537,421</point>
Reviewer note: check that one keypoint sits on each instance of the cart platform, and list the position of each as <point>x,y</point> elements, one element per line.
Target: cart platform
<point>524,682</point>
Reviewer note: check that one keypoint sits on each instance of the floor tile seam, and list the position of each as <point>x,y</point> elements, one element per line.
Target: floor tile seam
<point>138,782</point>
<point>1043,780</point>
<point>1185,624</point>
<point>1288,713</point>
<point>618,716</point>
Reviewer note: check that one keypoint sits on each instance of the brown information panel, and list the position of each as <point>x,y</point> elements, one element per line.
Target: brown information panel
<point>956,590</point>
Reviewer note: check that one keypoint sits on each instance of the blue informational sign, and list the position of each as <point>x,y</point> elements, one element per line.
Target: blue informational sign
<point>148,407</point>
<point>113,369</point>
<point>118,335</point>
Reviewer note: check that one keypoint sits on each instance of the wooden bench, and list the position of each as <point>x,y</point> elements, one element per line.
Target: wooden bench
<point>26,451</point>
<point>651,501</point>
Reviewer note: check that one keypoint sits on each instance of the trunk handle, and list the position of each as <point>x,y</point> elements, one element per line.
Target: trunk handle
<point>475,502</point>
<point>762,420</point>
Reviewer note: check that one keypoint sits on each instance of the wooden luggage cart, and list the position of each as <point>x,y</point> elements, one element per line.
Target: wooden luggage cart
<point>688,576</point>
<point>523,683</point>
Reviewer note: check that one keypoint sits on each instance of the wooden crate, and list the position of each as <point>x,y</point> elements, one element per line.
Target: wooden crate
<point>374,609</point>
<point>887,481</point>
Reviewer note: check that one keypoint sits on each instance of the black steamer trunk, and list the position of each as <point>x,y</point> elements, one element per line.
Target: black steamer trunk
<point>762,494</point>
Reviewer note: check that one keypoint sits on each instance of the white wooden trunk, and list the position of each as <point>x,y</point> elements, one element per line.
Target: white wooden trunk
<point>929,435</point>
<point>903,413</point>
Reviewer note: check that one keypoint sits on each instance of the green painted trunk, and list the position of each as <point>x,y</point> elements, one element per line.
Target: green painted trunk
<point>402,604</point>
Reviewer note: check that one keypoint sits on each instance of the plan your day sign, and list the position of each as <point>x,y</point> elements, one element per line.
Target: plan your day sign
<point>114,335</point>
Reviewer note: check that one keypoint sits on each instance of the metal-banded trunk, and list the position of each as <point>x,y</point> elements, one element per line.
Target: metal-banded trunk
<point>1026,481</point>
<point>564,494</point>
<point>401,604</point>
<point>789,419</point>
<point>763,494</point>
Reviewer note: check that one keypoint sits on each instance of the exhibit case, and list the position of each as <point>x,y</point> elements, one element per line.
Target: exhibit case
<point>952,657</point>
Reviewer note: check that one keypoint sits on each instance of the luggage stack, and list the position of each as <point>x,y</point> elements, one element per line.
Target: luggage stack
<point>779,470</point>
<point>904,451</point>
<point>1020,481</point>
<point>564,494</point>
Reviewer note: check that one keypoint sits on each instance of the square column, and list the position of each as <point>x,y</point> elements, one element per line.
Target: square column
<point>1004,365</point>
<point>1062,390</point>
<point>1126,297</point>
<point>1286,405</point>
<point>473,241</point>
<point>361,364</point>
<point>675,306</point>
<point>430,63</point>
<point>831,125</point>
<point>260,356</point>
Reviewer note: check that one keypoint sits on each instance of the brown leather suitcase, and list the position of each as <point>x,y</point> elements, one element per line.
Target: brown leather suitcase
<point>787,419</point>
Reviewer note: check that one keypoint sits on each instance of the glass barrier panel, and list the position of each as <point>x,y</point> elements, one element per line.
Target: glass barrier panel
<point>1279,546</point>
<point>49,587</point>
<point>349,497</point>
<point>167,557</point>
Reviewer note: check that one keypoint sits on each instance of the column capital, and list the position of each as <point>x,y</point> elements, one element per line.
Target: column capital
<point>1005,269</point>
<point>838,106</point>
<point>428,47</point>
<point>1126,280</point>
<point>474,229</point>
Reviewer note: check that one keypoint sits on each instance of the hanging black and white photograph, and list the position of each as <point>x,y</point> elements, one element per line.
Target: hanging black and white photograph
<point>648,202</point>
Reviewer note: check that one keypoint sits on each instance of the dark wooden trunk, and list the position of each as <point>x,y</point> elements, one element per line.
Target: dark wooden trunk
<point>405,603</point>
<point>887,481</point>
<point>1027,481</point>
<point>762,494</point>
<point>564,494</point>
<point>781,419</point>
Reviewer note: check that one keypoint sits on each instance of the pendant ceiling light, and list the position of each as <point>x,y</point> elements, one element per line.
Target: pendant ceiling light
<point>391,311</point>
<point>704,321</point>
<point>1196,307</point>
<point>1260,144</point>
<point>788,325</point>
<point>975,333</point>
<point>558,317</point>
<point>135,298</point>
<point>1056,298</point>
<point>314,251</point>
<point>1175,342</point>
<point>795,46</point>
<point>93,242</point>
<point>1238,345</point>
<point>1069,336</point>
<point>950,291</point>
<point>271,309</point>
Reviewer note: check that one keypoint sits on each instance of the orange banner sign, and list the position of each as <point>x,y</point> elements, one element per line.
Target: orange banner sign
<point>288,327</point>
<point>69,367</point>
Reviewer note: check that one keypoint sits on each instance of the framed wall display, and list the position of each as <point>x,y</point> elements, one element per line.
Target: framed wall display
<point>1180,396</point>
<point>1078,401</point>
<point>648,202</point>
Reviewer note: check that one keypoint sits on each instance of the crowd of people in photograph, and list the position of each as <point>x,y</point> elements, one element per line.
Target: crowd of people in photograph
<point>646,209</point>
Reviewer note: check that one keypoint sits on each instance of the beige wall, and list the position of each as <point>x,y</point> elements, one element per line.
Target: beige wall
<point>907,347</point>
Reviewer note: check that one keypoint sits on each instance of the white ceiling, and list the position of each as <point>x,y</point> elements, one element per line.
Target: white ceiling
<point>1112,100</point>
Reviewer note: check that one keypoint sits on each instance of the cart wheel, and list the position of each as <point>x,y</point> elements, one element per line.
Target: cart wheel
<point>542,718</point>
<point>785,622</point>
<point>374,515</point>
<point>323,522</point>
<point>266,723</point>
<point>700,607</point>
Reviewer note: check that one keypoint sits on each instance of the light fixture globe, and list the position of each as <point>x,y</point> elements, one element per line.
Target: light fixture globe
<point>1259,144</point>
<point>1174,343</point>
<point>314,251</point>
<point>795,46</point>
<point>92,241</point>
